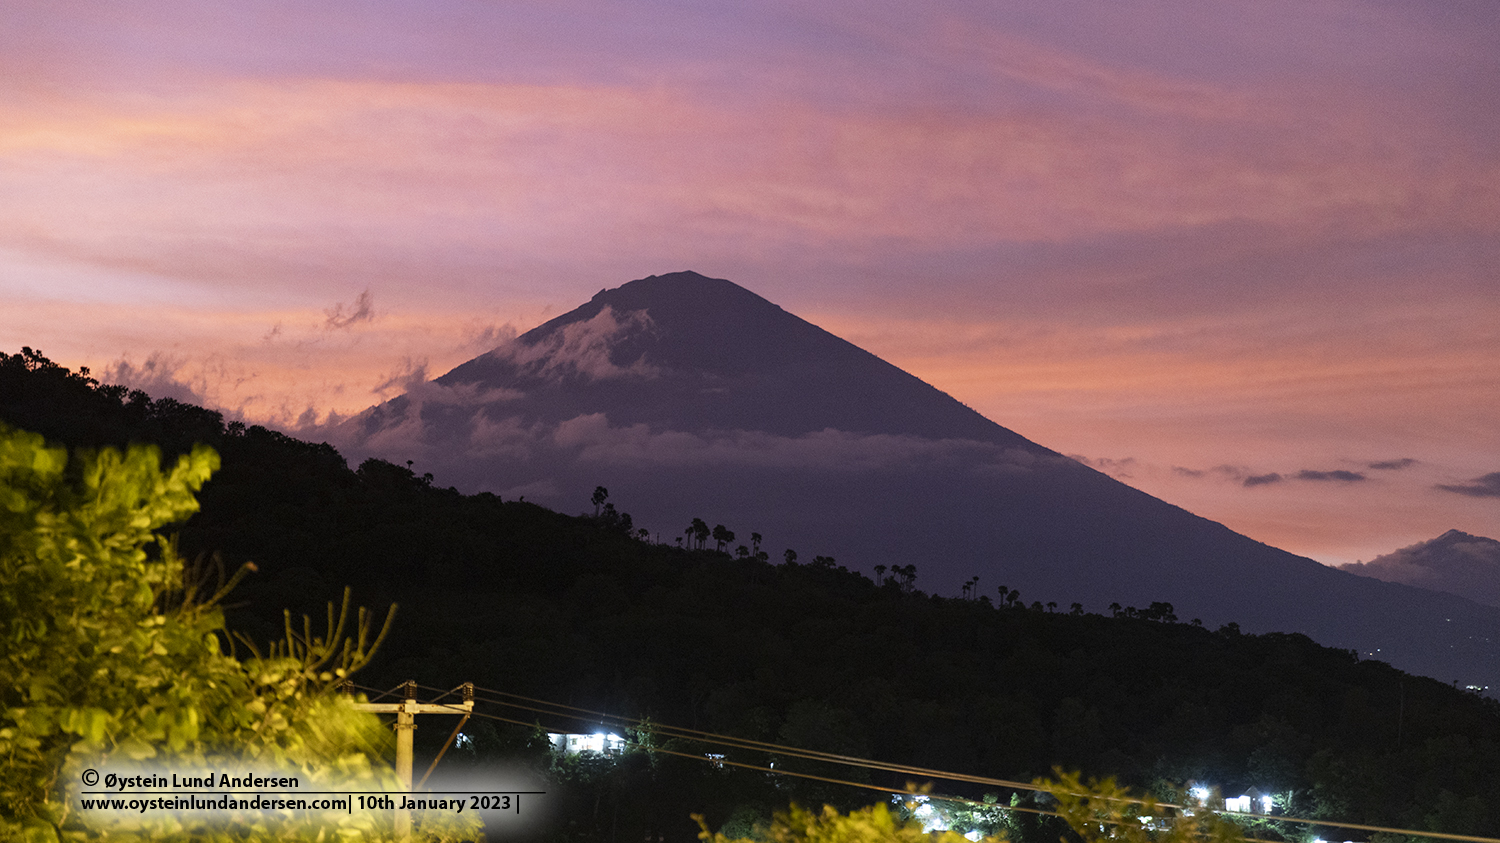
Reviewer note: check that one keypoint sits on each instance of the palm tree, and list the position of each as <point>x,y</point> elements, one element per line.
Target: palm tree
<point>601,495</point>
<point>723,535</point>
<point>698,530</point>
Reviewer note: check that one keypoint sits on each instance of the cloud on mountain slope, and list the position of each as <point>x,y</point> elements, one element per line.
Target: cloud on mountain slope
<point>483,433</point>
<point>582,348</point>
<point>596,441</point>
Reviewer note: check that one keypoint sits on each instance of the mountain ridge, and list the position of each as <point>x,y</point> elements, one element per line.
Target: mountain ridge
<point>696,397</point>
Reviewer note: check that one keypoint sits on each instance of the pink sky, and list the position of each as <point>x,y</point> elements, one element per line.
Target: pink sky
<point>1192,243</point>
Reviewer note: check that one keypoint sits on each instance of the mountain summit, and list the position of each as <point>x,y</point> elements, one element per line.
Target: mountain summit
<point>683,351</point>
<point>691,397</point>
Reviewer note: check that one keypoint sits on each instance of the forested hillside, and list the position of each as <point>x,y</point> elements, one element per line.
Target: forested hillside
<point>584,611</point>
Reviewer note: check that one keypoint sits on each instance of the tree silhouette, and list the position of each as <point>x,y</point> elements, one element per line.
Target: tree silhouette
<point>697,532</point>
<point>905,576</point>
<point>601,495</point>
<point>722,536</point>
<point>971,588</point>
<point>790,556</point>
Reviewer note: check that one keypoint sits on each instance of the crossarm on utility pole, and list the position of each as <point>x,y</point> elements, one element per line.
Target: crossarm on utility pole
<point>406,713</point>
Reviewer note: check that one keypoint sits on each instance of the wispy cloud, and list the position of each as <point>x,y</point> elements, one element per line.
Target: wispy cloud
<point>1393,465</point>
<point>341,318</point>
<point>1113,467</point>
<point>1262,479</point>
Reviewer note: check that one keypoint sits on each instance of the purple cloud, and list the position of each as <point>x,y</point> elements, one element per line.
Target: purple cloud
<point>1338,474</point>
<point>1487,486</point>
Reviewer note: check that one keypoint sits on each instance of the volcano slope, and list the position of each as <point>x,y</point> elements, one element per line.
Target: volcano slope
<point>691,397</point>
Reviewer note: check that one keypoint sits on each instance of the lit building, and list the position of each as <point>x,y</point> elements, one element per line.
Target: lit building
<point>600,742</point>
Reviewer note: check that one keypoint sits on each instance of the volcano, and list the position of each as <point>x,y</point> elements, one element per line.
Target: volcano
<point>1455,562</point>
<point>691,397</point>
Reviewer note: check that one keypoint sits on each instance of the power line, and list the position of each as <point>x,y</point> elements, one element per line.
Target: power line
<point>815,755</point>
<point>747,743</point>
<point>774,771</point>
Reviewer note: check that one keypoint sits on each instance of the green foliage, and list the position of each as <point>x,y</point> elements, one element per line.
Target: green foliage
<point>875,824</point>
<point>111,660</point>
<point>1099,811</point>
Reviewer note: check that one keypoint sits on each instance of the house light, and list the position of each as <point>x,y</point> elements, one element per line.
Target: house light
<point>1266,804</point>
<point>1239,804</point>
<point>1201,793</point>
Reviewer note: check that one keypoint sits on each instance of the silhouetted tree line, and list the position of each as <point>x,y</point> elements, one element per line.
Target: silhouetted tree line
<point>511,595</point>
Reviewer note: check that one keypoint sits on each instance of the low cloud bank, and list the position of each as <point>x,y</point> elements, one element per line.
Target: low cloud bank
<point>459,431</point>
<point>160,376</point>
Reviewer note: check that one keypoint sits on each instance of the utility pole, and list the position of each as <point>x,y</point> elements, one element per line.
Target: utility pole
<point>406,713</point>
